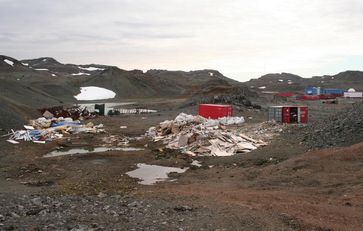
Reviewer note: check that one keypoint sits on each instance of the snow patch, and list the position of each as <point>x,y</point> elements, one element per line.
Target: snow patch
<point>81,73</point>
<point>211,74</point>
<point>263,87</point>
<point>54,75</point>
<point>11,63</point>
<point>44,60</point>
<point>42,69</point>
<point>25,64</point>
<point>281,80</point>
<point>94,93</point>
<point>91,68</point>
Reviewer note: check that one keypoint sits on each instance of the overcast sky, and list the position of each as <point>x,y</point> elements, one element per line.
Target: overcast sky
<point>242,39</point>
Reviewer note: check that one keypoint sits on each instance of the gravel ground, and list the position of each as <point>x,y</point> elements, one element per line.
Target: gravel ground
<point>103,212</point>
<point>272,188</point>
<point>341,129</point>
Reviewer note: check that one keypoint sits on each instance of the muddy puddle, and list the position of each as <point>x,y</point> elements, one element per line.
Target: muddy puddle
<point>75,151</point>
<point>150,174</point>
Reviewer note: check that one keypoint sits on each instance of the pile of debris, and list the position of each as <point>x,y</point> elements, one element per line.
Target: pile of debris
<point>195,135</point>
<point>265,131</point>
<point>233,99</point>
<point>43,129</point>
<point>74,112</point>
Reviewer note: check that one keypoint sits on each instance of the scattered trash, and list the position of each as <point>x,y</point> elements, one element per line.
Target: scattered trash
<point>150,174</point>
<point>13,141</point>
<point>195,135</point>
<point>29,127</point>
<point>196,163</point>
<point>42,130</point>
<point>47,114</point>
<point>74,112</point>
<point>74,151</point>
<point>265,131</point>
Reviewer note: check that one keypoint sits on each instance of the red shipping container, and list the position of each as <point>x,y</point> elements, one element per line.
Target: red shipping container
<point>331,96</point>
<point>215,111</point>
<point>285,94</point>
<point>310,97</point>
<point>303,114</point>
<point>288,114</point>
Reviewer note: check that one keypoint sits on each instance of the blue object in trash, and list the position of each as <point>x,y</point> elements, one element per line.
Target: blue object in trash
<point>64,123</point>
<point>34,134</point>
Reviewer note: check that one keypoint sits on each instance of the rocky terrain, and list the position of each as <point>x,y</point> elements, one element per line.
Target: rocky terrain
<point>27,85</point>
<point>286,82</point>
<point>341,129</point>
<point>303,177</point>
<point>105,212</point>
<point>281,186</point>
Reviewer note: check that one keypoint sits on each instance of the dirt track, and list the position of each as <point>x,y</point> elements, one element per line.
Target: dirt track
<point>279,187</point>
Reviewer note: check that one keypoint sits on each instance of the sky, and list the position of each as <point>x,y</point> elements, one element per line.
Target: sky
<point>242,39</point>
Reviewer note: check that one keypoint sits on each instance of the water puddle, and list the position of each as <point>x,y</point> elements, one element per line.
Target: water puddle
<point>150,174</point>
<point>75,151</point>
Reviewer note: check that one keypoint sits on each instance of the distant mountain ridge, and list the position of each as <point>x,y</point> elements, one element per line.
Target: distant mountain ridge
<point>127,84</point>
<point>295,83</point>
<point>26,85</point>
<point>29,84</point>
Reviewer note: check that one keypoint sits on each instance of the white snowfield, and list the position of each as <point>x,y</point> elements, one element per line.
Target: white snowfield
<point>81,73</point>
<point>95,93</point>
<point>91,68</point>
<point>11,63</point>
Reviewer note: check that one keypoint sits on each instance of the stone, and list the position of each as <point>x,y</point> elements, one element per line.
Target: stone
<point>102,195</point>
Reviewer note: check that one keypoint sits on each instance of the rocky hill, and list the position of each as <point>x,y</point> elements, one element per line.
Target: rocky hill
<point>134,83</point>
<point>290,82</point>
<point>33,83</point>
